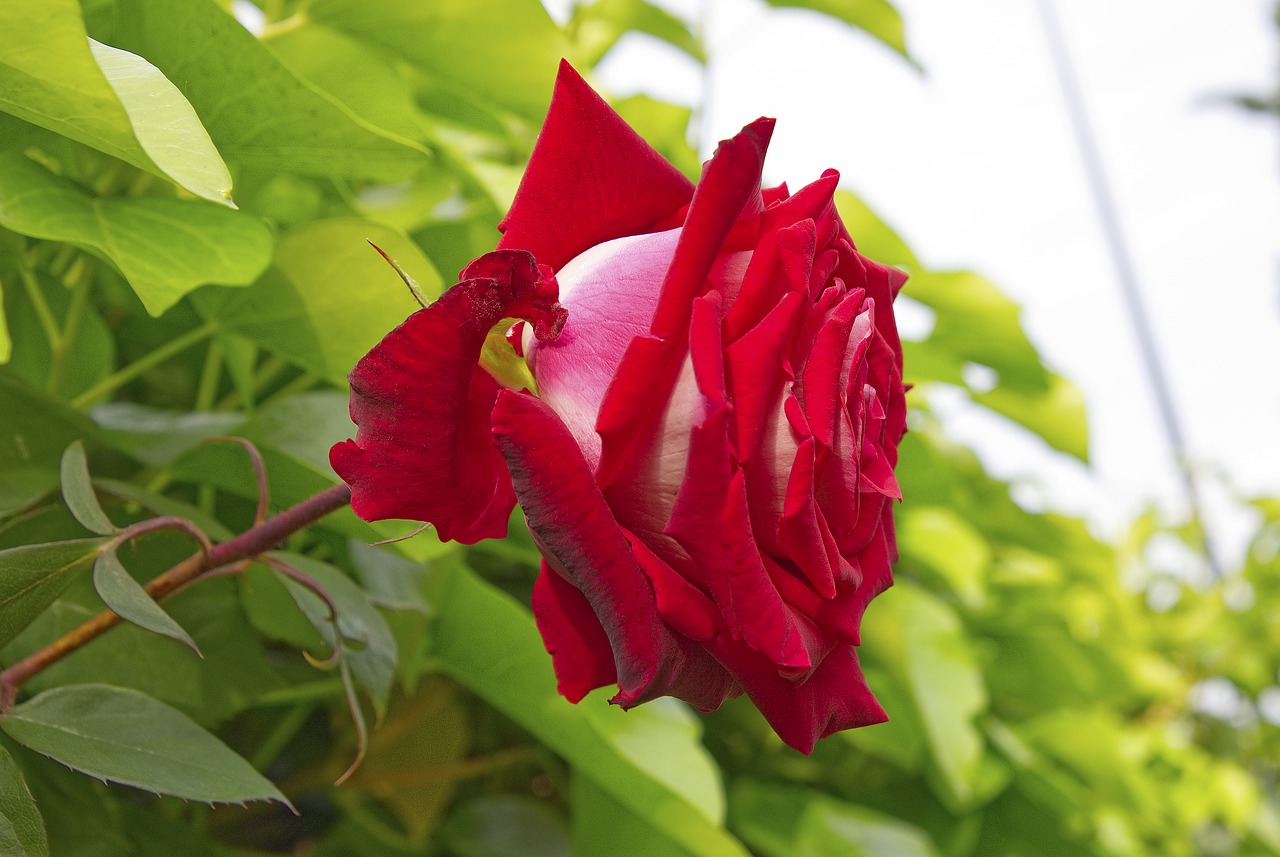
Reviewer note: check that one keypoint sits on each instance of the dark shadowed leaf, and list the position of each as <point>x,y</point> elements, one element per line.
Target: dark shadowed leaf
<point>21,827</point>
<point>36,430</point>
<point>127,737</point>
<point>77,491</point>
<point>506,825</point>
<point>126,597</point>
<point>32,576</point>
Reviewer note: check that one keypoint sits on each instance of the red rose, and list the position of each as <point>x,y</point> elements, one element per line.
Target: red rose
<point>707,466</point>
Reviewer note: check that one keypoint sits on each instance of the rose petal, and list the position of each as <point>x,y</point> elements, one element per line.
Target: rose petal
<point>834,697</point>
<point>728,192</point>
<point>579,648</point>
<point>591,178</point>
<point>421,405</point>
<point>575,527</point>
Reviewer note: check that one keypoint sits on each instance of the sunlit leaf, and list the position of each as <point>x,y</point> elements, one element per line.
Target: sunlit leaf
<point>56,77</point>
<point>488,643</point>
<point>258,112</point>
<point>164,247</point>
<point>127,737</point>
<point>328,297</point>
<point>875,17</point>
<point>596,28</point>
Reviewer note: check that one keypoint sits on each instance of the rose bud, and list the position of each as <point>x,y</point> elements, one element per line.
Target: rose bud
<point>705,455</point>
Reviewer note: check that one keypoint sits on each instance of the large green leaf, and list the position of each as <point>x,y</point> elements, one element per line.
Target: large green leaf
<point>603,825</point>
<point>1057,415</point>
<point>54,76</point>
<point>920,639</point>
<point>21,827</point>
<point>488,643</point>
<point>258,111</point>
<point>121,735</point>
<point>328,297</point>
<point>506,51</point>
<point>164,247</point>
<point>877,18</point>
<point>32,576</point>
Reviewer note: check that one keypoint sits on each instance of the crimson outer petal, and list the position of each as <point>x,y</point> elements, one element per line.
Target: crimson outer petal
<point>423,449</point>
<point>591,179</point>
<point>583,542</point>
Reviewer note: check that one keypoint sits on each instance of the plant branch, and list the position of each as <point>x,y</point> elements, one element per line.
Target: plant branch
<point>249,544</point>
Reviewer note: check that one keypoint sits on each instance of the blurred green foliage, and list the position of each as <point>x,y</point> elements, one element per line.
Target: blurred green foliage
<point>184,202</point>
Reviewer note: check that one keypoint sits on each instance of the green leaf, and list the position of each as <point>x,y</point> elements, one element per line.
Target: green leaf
<point>56,77</point>
<point>1056,415</point>
<point>877,18</point>
<point>441,39</point>
<point>32,576</point>
<point>21,827</point>
<point>948,546</point>
<point>121,735</point>
<point>978,324</point>
<point>163,247</point>
<point>920,639</point>
<point>844,830</point>
<point>165,124</point>
<point>488,643</point>
<point>155,436</point>
<point>328,297</point>
<point>126,597</point>
<point>368,647</point>
<point>258,112</point>
<point>37,430</point>
<point>596,28</point>
<point>602,825</point>
<point>873,237</point>
<point>506,825</point>
<point>77,491</point>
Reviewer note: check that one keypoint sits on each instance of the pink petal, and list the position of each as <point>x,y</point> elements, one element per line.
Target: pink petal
<point>591,178</point>
<point>423,450</point>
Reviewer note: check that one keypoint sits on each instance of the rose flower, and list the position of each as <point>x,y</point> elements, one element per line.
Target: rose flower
<point>706,457</point>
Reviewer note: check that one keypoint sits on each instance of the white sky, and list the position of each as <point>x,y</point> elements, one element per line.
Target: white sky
<point>974,163</point>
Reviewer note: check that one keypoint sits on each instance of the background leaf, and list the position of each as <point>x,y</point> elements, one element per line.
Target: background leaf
<point>21,827</point>
<point>125,736</point>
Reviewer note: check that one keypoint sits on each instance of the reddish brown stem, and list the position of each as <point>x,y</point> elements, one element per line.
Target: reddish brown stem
<point>251,543</point>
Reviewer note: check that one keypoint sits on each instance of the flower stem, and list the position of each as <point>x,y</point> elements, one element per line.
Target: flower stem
<point>246,546</point>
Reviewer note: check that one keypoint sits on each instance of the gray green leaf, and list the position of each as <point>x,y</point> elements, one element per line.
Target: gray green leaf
<point>126,597</point>
<point>22,831</point>
<point>32,576</point>
<point>77,491</point>
<point>121,735</point>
